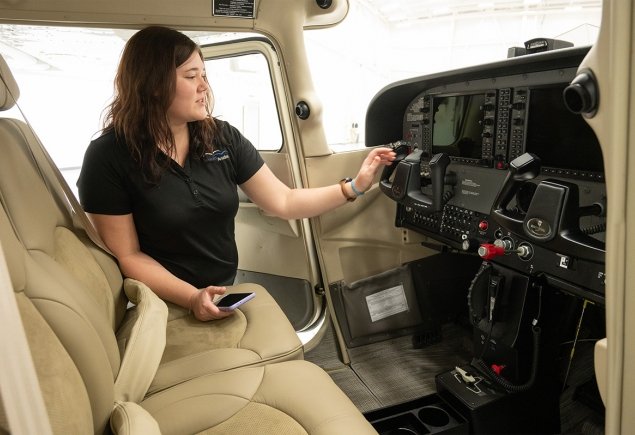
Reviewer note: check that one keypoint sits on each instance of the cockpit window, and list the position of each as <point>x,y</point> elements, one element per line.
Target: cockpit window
<point>243,95</point>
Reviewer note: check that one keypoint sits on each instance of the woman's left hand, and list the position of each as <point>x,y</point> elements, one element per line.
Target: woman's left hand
<point>377,158</point>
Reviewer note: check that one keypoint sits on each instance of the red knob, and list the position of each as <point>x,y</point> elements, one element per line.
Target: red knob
<point>487,251</point>
<point>498,368</point>
<point>482,225</point>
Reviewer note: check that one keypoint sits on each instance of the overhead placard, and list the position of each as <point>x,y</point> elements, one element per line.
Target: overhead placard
<point>233,8</point>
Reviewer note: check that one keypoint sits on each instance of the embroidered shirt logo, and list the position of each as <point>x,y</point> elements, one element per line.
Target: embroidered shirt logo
<point>216,156</point>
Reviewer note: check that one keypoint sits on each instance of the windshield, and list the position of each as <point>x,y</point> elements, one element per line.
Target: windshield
<point>381,42</point>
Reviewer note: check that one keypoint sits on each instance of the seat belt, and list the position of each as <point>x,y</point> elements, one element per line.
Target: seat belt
<point>22,397</point>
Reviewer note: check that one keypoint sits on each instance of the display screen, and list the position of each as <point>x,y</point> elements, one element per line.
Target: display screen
<point>560,138</point>
<point>458,125</point>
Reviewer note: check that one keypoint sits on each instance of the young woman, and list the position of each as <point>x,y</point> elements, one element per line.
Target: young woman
<point>160,183</point>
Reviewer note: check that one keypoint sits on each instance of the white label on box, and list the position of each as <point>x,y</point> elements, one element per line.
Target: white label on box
<point>386,303</point>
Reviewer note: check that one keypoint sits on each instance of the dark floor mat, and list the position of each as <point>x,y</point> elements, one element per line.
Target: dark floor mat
<point>326,354</point>
<point>396,372</point>
<point>355,389</point>
<point>392,371</point>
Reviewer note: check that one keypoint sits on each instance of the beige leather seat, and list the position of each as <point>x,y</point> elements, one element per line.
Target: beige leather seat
<point>153,367</point>
<point>87,385</point>
<point>259,333</point>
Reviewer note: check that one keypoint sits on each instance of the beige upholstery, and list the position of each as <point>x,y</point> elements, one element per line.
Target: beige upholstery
<point>9,91</point>
<point>293,397</point>
<point>143,342</point>
<point>600,361</point>
<point>94,358</point>
<point>44,226</point>
<point>128,418</point>
<point>77,375</point>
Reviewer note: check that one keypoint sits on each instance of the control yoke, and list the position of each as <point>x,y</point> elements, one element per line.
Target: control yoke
<point>438,166</point>
<point>401,152</point>
<point>406,187</point>
<point>552,218</point>
<point>522,168</point>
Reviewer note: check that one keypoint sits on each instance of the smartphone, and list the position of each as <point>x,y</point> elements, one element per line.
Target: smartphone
<point>231,301</point>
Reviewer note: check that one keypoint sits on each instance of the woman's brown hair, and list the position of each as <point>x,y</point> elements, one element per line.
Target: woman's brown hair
<point>144,88</point>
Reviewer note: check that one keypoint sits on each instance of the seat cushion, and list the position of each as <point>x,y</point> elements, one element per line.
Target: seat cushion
<point>293,397</point>
<point>257,333</point>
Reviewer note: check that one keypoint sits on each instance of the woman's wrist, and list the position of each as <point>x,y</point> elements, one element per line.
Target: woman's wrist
<point>191,301</point>
<point>348,193</point>
<point>350,190</point>
<point>356,190</point>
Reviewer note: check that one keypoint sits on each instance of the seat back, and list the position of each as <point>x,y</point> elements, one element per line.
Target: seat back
<point>73,286</point>
<point>42,222</point>
<point>77,401</point>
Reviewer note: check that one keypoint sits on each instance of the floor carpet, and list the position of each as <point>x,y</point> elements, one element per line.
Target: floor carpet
<point>392,371</point>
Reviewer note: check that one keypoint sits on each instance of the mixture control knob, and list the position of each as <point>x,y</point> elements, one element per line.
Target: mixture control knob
<point>483,225</point>
<point>487,251</point>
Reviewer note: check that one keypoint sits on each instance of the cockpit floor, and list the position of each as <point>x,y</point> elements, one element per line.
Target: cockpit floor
<point>392,371</point>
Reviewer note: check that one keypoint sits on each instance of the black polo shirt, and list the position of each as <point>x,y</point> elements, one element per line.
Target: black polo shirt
<point>186,221</point>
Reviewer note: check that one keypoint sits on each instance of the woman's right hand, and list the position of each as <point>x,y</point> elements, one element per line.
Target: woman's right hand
<point>202,304</point>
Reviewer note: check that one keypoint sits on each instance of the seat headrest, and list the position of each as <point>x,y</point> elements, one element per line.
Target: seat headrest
<point>6,101</point>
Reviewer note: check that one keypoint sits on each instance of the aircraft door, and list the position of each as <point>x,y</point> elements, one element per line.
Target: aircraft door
<point>249,93</point>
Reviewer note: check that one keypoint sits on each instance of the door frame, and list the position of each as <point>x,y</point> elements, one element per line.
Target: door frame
<point>286,165</point>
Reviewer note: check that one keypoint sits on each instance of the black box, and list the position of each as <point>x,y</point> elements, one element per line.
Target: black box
<point>491,410</point>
